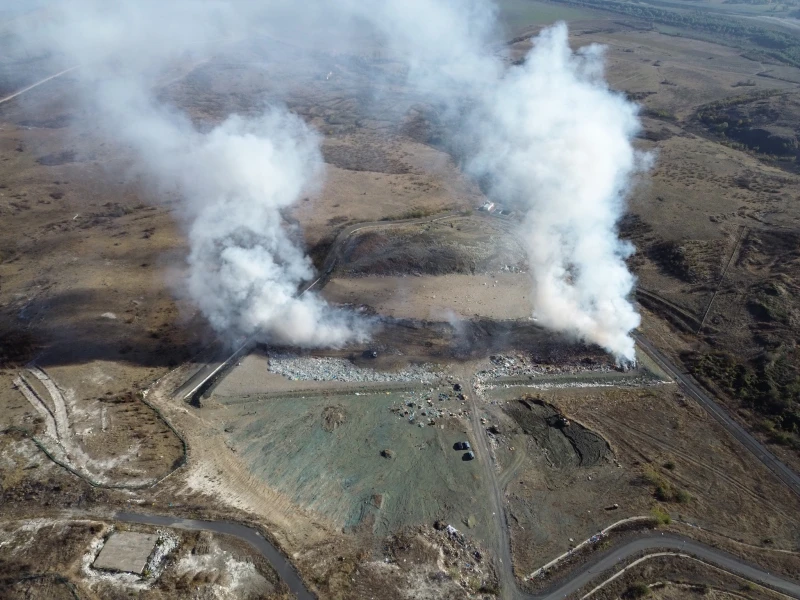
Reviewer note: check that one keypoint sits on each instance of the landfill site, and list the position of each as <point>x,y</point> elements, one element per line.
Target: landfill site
<point>291,306</point>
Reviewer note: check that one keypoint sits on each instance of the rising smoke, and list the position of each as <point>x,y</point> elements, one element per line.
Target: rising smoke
<point>547,136</point>
<point>245,266</point>
<point>550,139</point>
<point>554,141</point>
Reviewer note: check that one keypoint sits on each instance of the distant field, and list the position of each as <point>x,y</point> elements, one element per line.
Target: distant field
<point>518,14</point>
<point>763,39</point>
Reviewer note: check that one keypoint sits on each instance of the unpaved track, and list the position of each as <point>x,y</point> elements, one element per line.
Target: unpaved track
<point>37,84</point>
<point>38,404</point>
<point>60,414</point>
<point>687,383</point>
<point>505,575</point>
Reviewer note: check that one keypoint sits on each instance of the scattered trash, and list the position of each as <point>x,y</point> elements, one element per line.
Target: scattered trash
<point>311,368</point>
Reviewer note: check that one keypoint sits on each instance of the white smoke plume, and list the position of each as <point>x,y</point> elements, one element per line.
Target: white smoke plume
<point>547,136</point>
<point>556,143</point>
<point>552,141</point>
<point>245,264</point>
<point>245,268</point>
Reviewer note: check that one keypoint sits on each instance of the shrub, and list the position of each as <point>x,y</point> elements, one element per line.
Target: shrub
<point>663,494</point>
<point>661,516</point>
<point>637,590</point>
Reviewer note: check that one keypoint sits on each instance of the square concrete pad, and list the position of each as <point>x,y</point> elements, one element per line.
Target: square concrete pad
<point>126,551</point>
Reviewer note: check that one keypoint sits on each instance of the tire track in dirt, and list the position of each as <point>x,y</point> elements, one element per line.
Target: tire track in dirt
<point>43,410</point>
<point>60,406</point>
<point>646,437</point>
<point>784,473</point>
<point>512,468</point>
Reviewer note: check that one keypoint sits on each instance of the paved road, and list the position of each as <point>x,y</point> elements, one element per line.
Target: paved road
<point>278,561</point>
<point>652,543</point>
<point>573,582</point>
<point>784,473</point>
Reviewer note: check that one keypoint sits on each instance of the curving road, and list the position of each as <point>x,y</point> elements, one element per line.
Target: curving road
<point>247,534</point>
<point>584,574</point>
<point>654,542</point>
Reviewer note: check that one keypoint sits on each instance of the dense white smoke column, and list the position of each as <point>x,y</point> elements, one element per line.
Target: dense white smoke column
<point>551,140</point>
<point>235,180</point>
<point>244,267</point>
<point>556,142</point>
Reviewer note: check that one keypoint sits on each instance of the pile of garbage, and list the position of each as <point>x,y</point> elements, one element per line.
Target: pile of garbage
<point>426,407</point>
<point>521,365</point>
<point>312,368</point>
<point>450,562</point>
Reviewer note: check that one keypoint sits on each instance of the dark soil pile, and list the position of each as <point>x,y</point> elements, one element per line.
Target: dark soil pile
<point>565,442</point>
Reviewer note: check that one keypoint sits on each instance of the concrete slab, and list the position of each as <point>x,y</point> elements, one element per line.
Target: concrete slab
<point>126,551</point>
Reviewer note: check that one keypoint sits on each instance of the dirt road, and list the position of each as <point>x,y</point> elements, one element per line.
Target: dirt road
<point>505,575</point>
<point>784,473</point>
<point>37,84</point>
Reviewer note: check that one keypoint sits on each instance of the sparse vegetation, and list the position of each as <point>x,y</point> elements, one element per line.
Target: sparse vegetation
<point>760,122</point>
<point>769,385</point>
<point>636,590</point>
<point>690,261</point>
<point>417,212</point>
<point>664,491</point>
